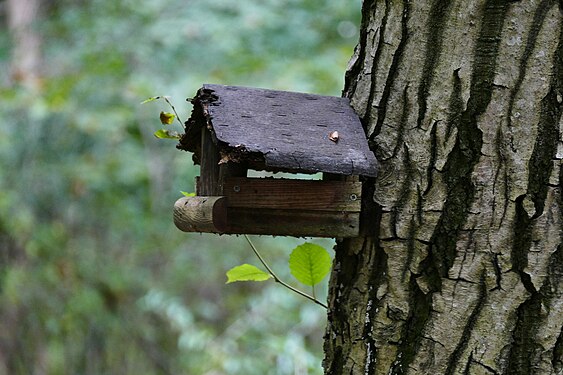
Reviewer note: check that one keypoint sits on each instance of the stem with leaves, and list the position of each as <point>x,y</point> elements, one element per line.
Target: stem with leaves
<point>166,119</point>
<point>278,280</point>
<point>173,109</point>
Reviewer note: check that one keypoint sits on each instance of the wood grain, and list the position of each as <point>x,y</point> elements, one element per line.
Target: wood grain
<point>279,222</point>
<point>201,214</point>
<point>290,194</point>
<point>209,171</point>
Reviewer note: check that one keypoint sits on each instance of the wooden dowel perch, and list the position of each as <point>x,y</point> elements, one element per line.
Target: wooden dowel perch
<point>201,214</point>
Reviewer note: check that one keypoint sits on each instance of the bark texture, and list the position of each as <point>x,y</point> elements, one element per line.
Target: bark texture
<point>463,270</point>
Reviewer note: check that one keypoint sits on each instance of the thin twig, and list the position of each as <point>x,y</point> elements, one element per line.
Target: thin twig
<point>278,280</point>
<point>173,109</point>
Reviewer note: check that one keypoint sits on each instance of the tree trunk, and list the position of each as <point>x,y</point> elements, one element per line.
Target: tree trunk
<point>26,41</point>
<point>462,271</point>
<point>18,354</point>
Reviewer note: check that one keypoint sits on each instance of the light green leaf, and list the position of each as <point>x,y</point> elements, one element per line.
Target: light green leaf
<point>186,194</point>
<point>246,272</point>
<point>167,118</point>
<point>309,263</point>
<point>151,99</point>
<point>166,134</point>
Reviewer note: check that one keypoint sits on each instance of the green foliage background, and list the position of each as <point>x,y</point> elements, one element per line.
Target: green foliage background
<point>94,277</point>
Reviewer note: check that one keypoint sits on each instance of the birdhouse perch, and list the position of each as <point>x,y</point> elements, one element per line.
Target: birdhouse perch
<point>233,129</point>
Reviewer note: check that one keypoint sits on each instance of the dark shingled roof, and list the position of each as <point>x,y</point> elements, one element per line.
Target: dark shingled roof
<point>288,130</point>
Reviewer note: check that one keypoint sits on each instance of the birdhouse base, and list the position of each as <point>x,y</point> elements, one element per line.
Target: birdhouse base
<point>272,206</point>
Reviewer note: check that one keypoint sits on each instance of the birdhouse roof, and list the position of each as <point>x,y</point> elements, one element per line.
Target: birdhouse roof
<point>284,130</point>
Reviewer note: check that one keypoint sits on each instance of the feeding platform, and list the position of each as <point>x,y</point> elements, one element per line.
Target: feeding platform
<point>234,129</point>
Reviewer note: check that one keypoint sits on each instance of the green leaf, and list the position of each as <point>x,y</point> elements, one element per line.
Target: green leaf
<point>186,194</point>
<point>246,272</point>
<point>167,118</point>
<point>309,263</point>
<point>151,99</point>
<point>166,134</point>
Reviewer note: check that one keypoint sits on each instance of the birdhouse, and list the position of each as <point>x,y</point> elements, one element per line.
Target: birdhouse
<point>235,129</point>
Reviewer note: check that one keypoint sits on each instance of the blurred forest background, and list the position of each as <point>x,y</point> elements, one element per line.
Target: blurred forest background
<point>94,277</point>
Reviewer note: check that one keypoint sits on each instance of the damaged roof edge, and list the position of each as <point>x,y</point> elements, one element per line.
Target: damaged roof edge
<point>289,130</point>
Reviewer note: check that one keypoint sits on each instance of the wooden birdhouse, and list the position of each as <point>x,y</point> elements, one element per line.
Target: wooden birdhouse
<point>236,129</point>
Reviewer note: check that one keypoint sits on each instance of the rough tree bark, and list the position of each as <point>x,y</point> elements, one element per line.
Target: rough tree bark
<point>462,272</point>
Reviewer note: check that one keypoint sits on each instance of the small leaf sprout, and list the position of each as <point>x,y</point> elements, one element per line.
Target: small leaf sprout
<point>166,118</point>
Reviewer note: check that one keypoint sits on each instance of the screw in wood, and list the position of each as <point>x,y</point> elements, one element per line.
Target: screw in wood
<point>353,197</point>
<point>236,188</point>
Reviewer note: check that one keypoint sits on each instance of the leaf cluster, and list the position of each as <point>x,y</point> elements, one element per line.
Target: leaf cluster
<point>309,263</point>
<point>166,118</point>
